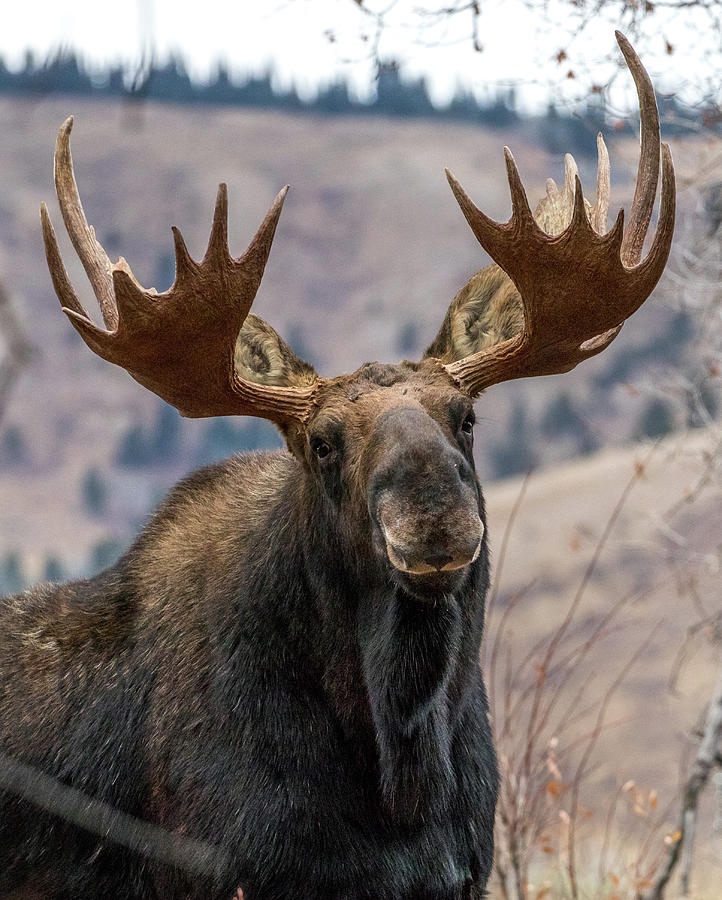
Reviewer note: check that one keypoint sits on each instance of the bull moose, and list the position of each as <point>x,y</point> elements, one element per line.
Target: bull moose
<point>283,670</point>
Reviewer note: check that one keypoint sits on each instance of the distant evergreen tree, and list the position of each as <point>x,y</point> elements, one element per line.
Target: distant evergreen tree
<point>464,107</point>
<point>104,554</point>
<point>398,98</point>
<point>593,115</point>
<point>560,134</point>
<point>171,83</point>
<point>296,339</point>
<point>289,101</point>
<point>13,447</point>
<point>157,443</point>
<point>65,75</point>
<point>164,275</point>
<point>53,570</point>
<point>23,79</point>
<point>501,113</point>
<point>167,432</point>
<point>12,579</point>
<point>656,419</point>
<point>513,455</point>
<point>221,89</point>
<point>95,492</point>
<point>7,78</point>
<point>588,442</point>
<point>672,345</point>
<point>334,99</point>
<point>257,92</point>
<point>115,83</point>
<point>675,118</point>
<point>560,417</point>
<point>562,420</point>
<point>222,438</point>
<point>407,341</point>
<point>225,436</point>
<point>136,448</point>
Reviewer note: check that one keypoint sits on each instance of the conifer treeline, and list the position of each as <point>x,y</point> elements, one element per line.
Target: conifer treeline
<point>64,72</point>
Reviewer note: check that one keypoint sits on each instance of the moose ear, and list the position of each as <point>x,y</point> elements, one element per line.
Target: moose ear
<point>261,355</point>
<point>485,312</point>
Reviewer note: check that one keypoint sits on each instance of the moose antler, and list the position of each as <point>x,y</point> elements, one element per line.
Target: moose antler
<point>180,343</point>
<point>577,287</point>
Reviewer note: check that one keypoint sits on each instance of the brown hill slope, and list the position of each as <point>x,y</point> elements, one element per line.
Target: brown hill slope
<point>370,250</point>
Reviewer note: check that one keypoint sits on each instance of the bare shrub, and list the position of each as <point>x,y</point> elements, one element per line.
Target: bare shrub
<point>549,711</point>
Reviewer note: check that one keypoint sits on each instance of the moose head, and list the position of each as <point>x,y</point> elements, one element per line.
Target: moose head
<point>391,445</point>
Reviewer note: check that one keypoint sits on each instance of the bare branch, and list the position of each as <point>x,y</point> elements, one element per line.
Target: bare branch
<point>704,762</point>
<point>111,824</point>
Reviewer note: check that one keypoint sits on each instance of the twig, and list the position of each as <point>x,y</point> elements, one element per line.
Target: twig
<point>73,805</point>
<point>689,497</point>
<point>581,768</point>
<point>704,762</point>
<point>561,631</point>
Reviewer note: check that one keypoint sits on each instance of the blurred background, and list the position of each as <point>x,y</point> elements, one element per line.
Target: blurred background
<point>602,485</point>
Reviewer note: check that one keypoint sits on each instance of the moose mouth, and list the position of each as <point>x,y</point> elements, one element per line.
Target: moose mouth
<point>431,565</point>
<point>434,562</point>
<point>429,582</point>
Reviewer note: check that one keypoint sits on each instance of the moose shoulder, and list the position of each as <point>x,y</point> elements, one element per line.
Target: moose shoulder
<point>283,669</point>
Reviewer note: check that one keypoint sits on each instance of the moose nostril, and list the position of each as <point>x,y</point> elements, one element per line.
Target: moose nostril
<point>438,561</point>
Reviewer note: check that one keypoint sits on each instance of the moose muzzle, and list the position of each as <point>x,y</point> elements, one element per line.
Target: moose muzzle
<point>423,496</point>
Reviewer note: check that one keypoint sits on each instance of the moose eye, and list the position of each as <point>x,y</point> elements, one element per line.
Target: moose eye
<point>467,426</point>
<point>320,448</point>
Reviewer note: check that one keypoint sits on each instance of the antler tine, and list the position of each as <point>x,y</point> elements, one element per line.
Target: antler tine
<point>580,219</point>
<point>601,206</point>
<point>554,212</point>
<point>648,171</point>
<point>94,259</point>
<point>251,265</point>
<point>63,288</point>
<point>521,215</point>
<point>651,268</point>
<point>184,264</point>
<point>488,232</point>
<point>493,236</point>
<point>218,240</point>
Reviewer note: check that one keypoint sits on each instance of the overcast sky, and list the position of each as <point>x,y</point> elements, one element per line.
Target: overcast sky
<point>309,42</point>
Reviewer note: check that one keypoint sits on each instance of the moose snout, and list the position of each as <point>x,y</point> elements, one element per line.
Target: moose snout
<point>432,527</point>
<point>423,497</point>
<point>427,558</point>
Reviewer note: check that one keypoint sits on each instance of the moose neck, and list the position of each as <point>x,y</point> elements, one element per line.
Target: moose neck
<point>409,653</point>
<point>396,667</point>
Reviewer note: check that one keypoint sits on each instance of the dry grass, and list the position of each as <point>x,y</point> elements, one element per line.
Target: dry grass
<point>590,761</point>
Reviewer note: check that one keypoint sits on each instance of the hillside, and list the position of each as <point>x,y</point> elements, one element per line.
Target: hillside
<point>370,249</point>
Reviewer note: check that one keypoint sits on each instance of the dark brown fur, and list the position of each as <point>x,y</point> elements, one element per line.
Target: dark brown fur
<point>254,673</point>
